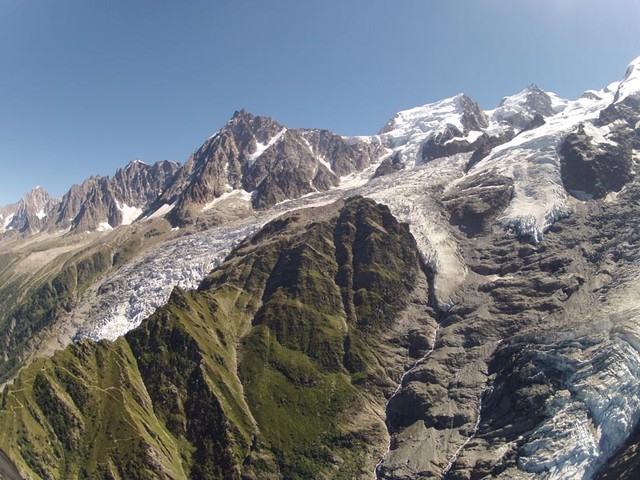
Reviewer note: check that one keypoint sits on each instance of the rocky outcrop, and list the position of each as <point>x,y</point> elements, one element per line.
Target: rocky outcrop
<point>592,168</point>
<point>388,165</point>
<point>476,203</point>
<point>483,146</point>
<point>139,184</point>
<point>287,170</point>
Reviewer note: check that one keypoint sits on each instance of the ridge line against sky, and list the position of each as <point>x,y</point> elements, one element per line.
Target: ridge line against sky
<point>85,89</point>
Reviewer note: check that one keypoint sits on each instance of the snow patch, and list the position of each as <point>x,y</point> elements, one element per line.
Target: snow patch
<point>7,222</point>
<point>470,137</point>
<point>262,147</point>
<point>104,227</point>
<point>598,135</point>
<point>239,194</point>
<point>320,158</point>
<point>40,214</point>
<point>611,197</point>
<point>129,214</point>
<point>162,210</point>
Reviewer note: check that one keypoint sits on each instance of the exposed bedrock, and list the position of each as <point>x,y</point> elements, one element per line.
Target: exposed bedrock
<point>535,371</point>
<point>476,202</point>
<point>593,169</point>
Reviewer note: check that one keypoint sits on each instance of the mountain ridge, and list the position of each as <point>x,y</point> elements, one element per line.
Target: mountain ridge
<point>474,302</point>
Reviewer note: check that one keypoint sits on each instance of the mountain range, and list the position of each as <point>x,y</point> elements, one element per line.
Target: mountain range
<point>453,297</point>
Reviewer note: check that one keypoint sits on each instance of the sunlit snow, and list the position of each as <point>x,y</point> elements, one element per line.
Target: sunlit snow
<point>162,210</point>
<point>409,129</point>
<point>262,147</point>
<point>129,214</point>
<point>104,226</point>
<point>7,222</point>
<point>630,84</point>
<point>230,194</point>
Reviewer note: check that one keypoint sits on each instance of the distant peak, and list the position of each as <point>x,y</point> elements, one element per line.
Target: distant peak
<point>630,84</point>
<point>241,114</point>
<point>456,98</point>
<point>633,66</point>
<point>37,190</point>
<point>533,88</point>
<point>248,117</point>
<point>135,162</point>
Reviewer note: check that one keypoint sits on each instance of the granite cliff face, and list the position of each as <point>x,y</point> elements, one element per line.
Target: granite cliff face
<point>29,214</point>
<point>258,158</point>
<point>104,203</point>
<point>99,203</point>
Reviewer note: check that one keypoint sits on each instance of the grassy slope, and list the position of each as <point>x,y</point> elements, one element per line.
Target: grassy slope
<point>41,279</point>
<point>266,371</point>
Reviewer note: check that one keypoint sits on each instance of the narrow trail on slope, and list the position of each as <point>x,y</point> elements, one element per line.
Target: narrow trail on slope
<point>417,363</point>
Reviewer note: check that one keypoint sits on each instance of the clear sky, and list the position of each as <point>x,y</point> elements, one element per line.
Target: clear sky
<point>85,87</point>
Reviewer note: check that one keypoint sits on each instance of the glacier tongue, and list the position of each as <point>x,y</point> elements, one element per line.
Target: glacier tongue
<point>135,291</point>
<point>411,199</point>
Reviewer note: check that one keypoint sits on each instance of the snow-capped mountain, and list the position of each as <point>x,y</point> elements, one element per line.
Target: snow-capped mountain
<point>516,353</point>
<point>257,156</point>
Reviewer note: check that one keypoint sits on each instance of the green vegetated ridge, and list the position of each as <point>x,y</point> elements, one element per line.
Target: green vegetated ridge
<point>29,306</point>
<point>269,370</point>
<point>41,307</point>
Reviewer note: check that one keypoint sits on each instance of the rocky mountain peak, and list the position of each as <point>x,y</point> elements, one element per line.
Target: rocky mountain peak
<point>519,110</point>
<point>37,197</point>
<point>135,164</point>
<point>459,111</point>
<point>472,116</point>
<point>29,214</point>
<point>251,132</point>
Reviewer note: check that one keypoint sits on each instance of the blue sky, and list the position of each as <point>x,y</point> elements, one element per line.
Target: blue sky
<point>85,87</point>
